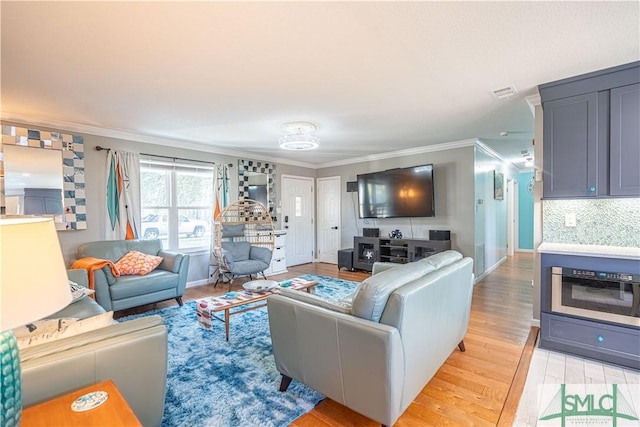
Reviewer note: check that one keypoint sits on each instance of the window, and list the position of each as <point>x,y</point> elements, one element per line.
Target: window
<point>177,203</point>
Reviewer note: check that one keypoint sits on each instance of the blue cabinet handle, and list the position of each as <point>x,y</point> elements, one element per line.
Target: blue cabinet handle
<point>592,189</point>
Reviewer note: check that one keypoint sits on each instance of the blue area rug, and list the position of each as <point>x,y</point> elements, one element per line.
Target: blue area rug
<point>212,382</point>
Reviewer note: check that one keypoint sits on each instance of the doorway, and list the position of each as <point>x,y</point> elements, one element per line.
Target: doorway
<point>297,218</point>
<point>329,234</point>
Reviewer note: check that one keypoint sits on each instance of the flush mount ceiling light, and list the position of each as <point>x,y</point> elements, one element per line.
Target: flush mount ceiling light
<point>298,136</point>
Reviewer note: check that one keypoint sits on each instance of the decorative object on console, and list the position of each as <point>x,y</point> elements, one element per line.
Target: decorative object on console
<point>396,234</point>
<point>439,235</point>
<point>72,148</point>
<point>33,284</point>
<point>298,136</point>
<point>371,232</point>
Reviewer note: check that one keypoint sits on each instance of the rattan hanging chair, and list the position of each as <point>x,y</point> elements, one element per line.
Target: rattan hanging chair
<point>243,221</point>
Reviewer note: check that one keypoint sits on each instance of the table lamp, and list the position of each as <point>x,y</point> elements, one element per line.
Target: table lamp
<point>33,284</point>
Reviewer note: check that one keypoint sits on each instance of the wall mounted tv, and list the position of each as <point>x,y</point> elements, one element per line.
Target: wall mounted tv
<point>395,193</point>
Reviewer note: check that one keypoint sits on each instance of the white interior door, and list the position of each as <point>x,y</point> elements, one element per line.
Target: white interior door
<point>328,202</point>
<point>297,217</point>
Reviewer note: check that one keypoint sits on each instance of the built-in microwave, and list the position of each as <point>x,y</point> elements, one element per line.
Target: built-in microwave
<point>599,295</point>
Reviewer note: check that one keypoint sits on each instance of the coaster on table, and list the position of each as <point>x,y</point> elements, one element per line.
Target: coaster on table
<point>89,401</point>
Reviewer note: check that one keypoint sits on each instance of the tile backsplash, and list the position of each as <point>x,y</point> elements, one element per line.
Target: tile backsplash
<point>608,222</point>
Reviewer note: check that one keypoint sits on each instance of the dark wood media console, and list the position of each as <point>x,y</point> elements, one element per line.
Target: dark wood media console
<point>367,250</point>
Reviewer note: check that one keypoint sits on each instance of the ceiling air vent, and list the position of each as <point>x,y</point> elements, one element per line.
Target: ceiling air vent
<point>505,92</point>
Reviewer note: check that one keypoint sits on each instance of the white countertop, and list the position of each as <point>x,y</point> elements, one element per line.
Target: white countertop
<point>589,250</point>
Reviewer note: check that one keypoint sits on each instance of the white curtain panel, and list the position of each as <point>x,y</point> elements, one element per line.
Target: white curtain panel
<point>123,215</point>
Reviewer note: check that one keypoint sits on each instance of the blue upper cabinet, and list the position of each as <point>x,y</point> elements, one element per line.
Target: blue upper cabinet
<point>624,171</point>
<point>592,134</point>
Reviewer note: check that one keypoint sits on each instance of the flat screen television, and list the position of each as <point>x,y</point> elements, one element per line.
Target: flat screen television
<point>396,193</point>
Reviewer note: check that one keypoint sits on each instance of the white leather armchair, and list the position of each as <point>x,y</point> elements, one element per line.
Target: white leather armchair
<point>376,355</point>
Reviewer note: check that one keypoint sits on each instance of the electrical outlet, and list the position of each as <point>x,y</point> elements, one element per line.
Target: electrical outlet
<point>570,219</point>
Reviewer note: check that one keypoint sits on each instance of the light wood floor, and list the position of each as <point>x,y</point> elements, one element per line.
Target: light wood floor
<point>471,388</point>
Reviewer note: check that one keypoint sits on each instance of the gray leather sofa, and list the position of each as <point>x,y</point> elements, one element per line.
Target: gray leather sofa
<point>167,281</point>
<point>374,351</point>
<point>133,354</point>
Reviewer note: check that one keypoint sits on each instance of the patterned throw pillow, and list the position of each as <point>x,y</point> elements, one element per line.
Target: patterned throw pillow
<point>78,291</point>
<point>137,263</point>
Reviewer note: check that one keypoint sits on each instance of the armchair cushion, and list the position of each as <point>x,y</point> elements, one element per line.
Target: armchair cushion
<point>249,266</point>
<point>229,230</point>
<point>237,251</point>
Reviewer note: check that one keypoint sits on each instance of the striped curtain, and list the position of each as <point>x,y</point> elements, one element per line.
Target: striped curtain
<point>123,195</point>
<point>220,201</point>
<point>220,189</point>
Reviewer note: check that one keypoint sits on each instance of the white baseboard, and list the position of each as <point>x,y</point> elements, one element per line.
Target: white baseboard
<point>489,270</point>
<point>529,251</point>
<point>535,322</point>
<point>197,283</point>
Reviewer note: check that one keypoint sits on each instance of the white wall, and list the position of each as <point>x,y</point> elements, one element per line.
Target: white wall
<point>453,180</point>
<point>490,214</point>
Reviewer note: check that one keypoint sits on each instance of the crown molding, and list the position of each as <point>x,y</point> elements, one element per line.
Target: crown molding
<point>145,138</point>
<point>490,151</point>
<point>401,153</point>
<point>533,101</point>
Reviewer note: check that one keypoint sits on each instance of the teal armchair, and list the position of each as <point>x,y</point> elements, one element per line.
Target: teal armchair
<point>167,281</point>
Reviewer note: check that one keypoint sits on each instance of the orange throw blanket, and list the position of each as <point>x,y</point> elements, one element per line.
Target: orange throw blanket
<point>90,264</point>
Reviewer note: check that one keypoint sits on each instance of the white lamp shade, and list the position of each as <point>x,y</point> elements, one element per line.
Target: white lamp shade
<point>33,277</point>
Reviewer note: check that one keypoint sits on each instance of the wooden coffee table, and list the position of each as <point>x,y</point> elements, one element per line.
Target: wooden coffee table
<point>207,307</point>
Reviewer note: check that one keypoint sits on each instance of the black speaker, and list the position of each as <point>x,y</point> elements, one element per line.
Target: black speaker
<point>352,186</point>
<point>345,259</point>
<point>439,235</point>
<point>371,232</point>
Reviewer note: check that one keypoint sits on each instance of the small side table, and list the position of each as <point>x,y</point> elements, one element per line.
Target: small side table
<point>57,412</point>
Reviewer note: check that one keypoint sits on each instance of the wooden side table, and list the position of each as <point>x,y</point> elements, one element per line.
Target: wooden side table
<point>57,412</point>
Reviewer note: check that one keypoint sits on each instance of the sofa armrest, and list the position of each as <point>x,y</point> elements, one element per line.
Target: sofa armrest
<point>79,276</point>
<point>101,285</point>
<point>133,354</point>
<point>260,254</point>
<point>171,261</point>
<point>339,355</point>
<point>379,267</point>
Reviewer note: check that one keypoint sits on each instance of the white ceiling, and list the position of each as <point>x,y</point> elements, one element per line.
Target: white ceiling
<point>373,76</point>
